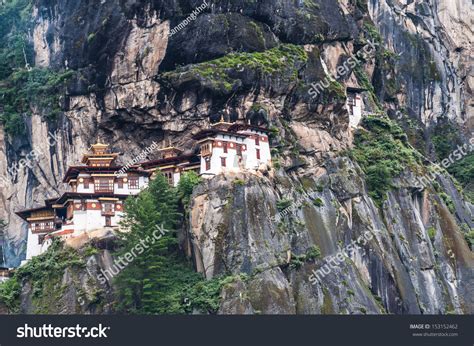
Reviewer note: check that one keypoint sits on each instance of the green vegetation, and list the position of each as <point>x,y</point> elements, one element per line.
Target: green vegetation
<point>372,32</point>
<point>432,233</point>
<point>45,273</point>
<point>239,182</point>
<point>20,85</point>
<point>283,203</point>
<point>160,280</point>
<point>445,138</point>
<point>310,4</point>
<point>448,201</point>
<point>463,171</point>
<point>38,87</point>
<point>10,294</point>
<point>186,185</point>
<point>318,202</point>
<point>367,84</point>
<point>469,236</point>
<point>312,253</point>
<point>382,151</point>
<point>271,61</point>
<point>14,24</point>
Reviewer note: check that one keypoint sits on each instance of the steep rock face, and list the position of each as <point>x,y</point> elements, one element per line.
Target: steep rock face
<point>399,268</point>
<point>79,290</point>
<point>433,41</point>
<point>130,88</point>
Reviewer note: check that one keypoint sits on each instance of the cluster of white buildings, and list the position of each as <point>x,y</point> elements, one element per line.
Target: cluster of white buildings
<point>97,193</point>
<point>98,186</point>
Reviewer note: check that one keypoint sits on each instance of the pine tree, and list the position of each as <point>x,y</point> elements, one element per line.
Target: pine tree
<point>160,280</point>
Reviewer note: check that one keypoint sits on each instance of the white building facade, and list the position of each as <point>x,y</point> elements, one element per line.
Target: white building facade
<point>233,148</point>
<point>355,105</point>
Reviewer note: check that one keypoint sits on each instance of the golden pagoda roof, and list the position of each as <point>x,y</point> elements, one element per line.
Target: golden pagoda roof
<point>99,151</point>
<point>222,122</point>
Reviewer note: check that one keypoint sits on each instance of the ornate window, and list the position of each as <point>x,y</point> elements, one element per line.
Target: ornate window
<point>258,154</point>
<point>108,209</point>
<point>133,183</point>
<point>169,177</point>
<point>42,227</point>
<point>104,185</point>
<point>223,161</point>
<point>206,149</point>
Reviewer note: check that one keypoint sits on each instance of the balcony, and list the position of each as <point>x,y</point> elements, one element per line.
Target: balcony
<point>108,213</point>
<point>104,190</point>
<point>37,230</point>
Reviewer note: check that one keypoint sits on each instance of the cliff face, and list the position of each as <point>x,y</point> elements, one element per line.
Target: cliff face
<point>133,84</point>
<point>438,36</point>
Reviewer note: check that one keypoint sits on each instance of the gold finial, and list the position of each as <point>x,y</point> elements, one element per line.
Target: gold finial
<point>222,118</point>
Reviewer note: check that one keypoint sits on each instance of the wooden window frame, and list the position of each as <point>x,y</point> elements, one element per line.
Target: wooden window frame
<point>134,183</point>
<point>100,183</point>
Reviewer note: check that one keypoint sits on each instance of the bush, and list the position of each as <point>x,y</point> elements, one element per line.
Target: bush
<point>239,182</point>
<point>382,151</point>
<point>318,202</point>
<point>38,87</point>
<point>313,252</point>
<point>432,233</point>
<point>186,186</point>
<point>284,203</point>
<point>10,293</point>
<point>470,238</point>
<point>448,201</point>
